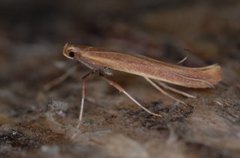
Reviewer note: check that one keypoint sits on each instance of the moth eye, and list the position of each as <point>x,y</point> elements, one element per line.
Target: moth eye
<point>71,54</point>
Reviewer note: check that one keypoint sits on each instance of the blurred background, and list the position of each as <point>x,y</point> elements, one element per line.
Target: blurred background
<point>41,122</point>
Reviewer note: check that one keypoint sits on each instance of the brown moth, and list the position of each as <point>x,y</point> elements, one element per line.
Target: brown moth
<point>104,61</point>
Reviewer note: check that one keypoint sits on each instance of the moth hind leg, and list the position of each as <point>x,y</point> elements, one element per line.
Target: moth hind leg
<point>175,90</point>
<point>163,91</point>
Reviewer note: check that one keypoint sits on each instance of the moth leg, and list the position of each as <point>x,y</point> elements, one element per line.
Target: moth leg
<point>175,90</point>
<point>83,96</point>
<point>60,79</point>
<point>183,60</point>
<point>163,91</point>
<point>120,89</point>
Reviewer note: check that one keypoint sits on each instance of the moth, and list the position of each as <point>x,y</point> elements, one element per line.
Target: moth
<point>104,62</point>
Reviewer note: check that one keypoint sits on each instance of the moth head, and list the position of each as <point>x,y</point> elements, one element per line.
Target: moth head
<point>70,51</point>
